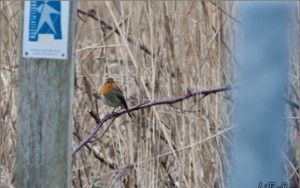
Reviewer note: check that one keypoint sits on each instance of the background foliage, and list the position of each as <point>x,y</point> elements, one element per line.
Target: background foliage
<point>154,50</point>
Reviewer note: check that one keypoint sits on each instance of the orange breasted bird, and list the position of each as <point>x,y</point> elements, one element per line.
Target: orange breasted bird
<point>112,95</point>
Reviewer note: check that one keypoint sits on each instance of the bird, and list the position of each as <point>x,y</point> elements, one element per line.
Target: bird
<point>112,95</point>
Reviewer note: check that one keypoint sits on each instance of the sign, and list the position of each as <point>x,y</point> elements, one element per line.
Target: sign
<point>45,29</point>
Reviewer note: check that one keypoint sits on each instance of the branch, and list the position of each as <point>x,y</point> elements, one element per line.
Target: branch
<point>146,104</point>
<point>92,14</point>
<point>96,155</point>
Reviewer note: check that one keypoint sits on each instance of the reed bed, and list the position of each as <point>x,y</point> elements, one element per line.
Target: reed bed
<point>155,50</point>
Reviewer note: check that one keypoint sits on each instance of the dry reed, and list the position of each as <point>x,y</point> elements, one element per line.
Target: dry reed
<point>154,50</point>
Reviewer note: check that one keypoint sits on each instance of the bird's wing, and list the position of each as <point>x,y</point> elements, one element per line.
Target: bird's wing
<point>116,88</point>
<point>122,99</point>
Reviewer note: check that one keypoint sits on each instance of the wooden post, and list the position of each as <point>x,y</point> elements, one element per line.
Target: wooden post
<point>45,116</point>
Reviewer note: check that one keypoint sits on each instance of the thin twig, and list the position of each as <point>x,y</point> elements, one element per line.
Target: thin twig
<point>96,155</point>
<point>226,13</point>
<point>92,14</point>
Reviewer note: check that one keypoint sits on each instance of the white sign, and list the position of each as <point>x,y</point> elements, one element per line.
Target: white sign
<point>45,29</point>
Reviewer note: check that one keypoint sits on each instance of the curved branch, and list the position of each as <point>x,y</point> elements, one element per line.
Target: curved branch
<point>147,104</point>
<point>92,14</point>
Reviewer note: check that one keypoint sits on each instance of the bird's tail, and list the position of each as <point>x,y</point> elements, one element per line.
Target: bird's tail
<point>126,107</point>
<point>123,101</point>
<point>129,114</point>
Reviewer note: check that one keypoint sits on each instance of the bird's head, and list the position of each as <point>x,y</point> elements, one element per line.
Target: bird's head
<point>109,81</point>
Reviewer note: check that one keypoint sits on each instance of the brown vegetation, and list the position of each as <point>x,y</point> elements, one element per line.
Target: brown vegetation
<point>154,50</point>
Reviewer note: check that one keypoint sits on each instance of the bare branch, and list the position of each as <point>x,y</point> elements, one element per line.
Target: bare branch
<point>96,155</point>
<point>92,14</point>
<point>147,104</point>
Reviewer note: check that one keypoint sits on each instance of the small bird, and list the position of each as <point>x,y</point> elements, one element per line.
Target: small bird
<point>112,95</point>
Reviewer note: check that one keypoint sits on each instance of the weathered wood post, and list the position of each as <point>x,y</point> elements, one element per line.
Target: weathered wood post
<point>45,97</point>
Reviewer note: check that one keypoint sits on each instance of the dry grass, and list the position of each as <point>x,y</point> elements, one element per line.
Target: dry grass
<point>184,145</point>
